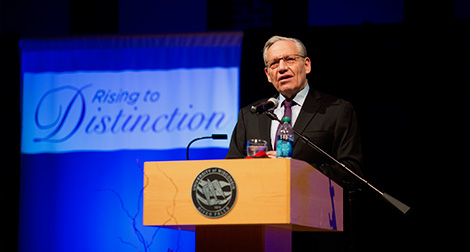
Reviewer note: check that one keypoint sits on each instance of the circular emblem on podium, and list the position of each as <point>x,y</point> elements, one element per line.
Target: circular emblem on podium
<point>214,192</point>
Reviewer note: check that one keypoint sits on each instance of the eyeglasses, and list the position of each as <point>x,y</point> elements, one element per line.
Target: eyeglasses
<point>289,60</point>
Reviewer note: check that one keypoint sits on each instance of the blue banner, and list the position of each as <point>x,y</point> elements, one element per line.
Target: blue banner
<point>94,109</point>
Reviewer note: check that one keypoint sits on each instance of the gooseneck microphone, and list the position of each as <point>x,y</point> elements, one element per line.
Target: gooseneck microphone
<point>268,105</point>
<point>213,136</point>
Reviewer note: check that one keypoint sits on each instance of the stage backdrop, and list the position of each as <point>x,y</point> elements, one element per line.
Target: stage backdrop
<point>94,109</point>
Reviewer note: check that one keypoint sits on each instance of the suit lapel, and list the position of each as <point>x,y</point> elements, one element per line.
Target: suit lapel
<point>309,110</point>
<point>265,129</point>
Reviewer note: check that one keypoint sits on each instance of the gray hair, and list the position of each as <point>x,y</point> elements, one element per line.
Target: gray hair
<point>300,46</point>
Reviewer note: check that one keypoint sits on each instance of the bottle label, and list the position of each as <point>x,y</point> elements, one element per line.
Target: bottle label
<point>284,148</point>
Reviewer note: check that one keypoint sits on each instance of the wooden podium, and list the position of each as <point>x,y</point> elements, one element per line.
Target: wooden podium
<point>255,207</point>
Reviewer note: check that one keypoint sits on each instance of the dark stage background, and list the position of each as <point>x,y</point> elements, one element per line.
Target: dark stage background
<point>403,81</point>
<point>402,64</point>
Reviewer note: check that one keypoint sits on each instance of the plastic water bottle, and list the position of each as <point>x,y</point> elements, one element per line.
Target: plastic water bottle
<point>285,140</point>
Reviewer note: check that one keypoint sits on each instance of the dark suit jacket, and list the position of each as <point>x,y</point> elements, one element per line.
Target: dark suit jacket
<point>327,121</point>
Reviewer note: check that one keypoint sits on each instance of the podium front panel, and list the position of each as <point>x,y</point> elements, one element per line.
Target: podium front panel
<point>278,192</point>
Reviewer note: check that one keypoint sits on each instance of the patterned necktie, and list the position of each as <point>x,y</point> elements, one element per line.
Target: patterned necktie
<point>287,113</point>
<point>288,109</point>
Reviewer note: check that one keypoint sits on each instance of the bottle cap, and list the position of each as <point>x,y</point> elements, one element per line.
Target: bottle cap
<point>286,119</point>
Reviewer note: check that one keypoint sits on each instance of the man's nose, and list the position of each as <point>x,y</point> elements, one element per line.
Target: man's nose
<point>282,65</point>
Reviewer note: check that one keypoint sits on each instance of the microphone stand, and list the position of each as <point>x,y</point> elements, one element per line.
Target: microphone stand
<point>213,136</point>
<point>394,202</point>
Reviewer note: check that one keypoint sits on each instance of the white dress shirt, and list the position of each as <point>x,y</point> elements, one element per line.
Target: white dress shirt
<point>279,111</point>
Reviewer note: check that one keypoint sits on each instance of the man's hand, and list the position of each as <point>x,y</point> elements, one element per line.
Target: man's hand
<point>271,154</point>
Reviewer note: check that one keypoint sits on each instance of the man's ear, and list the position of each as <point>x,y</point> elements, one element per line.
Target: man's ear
<point>308,65</point>
<point>267,74</point>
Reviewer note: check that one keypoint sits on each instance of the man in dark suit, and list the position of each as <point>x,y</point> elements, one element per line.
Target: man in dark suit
<point>328,121</point>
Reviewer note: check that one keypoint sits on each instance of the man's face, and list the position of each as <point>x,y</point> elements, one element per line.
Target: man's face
<point>288,77</point>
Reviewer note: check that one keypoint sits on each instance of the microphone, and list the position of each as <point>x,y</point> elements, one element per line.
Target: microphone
<point>219,136</point>
<point>268,105</point>
<point>213,136</point>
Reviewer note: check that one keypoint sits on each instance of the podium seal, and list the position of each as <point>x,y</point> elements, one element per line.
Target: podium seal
<point>214,192</point>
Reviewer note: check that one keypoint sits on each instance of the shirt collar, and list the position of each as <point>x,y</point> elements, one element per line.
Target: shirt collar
<point>299,98</point>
